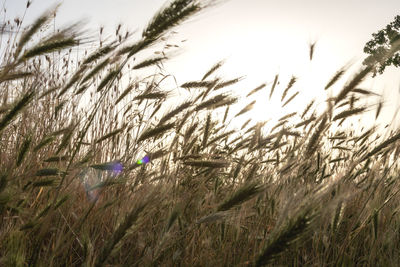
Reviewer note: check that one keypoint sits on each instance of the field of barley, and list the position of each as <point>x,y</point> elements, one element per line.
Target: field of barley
<point>97,170</point>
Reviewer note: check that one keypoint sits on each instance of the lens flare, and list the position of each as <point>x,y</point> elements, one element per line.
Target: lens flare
<point>95,174</point>
<point>145,160</point>
<point>117,168</point>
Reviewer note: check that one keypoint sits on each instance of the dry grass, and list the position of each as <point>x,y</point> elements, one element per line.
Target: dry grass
<point>94,172</point>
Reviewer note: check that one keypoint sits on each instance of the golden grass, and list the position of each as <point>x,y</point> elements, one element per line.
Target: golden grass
<point>95,171</point>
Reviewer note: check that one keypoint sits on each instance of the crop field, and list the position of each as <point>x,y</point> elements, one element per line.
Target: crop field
<point>96,170</point>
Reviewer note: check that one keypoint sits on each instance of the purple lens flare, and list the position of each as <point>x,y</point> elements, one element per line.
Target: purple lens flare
<point>95,174</point>
<point>144,160</point>
<point>117,168</point>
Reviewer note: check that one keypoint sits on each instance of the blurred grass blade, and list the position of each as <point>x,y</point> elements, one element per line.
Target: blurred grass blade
<point>244,193</point>
<point>284,237</point>
<point>17,107</point>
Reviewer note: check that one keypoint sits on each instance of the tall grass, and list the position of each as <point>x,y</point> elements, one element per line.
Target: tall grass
<point>94,172</point>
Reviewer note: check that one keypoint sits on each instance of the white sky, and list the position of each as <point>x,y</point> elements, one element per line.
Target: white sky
<point>259,38</point>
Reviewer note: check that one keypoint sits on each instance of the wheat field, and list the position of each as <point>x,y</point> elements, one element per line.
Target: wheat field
<point>96,170</point>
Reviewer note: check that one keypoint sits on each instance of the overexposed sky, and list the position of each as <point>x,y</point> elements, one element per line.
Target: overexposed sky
<point>258,38</point>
